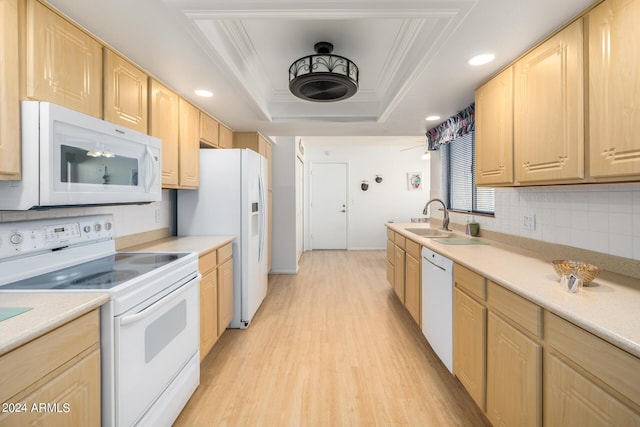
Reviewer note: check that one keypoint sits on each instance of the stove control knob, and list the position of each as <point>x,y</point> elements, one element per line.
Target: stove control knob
<point>107,226</point>
<point>16,239</point>
<point>86,228</point>
<point>97,227</point>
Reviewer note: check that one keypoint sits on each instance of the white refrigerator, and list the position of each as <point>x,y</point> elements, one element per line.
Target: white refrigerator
<point>231,200</point>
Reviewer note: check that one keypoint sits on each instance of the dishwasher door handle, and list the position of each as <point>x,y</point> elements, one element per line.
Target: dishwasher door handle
<point>435,265</point>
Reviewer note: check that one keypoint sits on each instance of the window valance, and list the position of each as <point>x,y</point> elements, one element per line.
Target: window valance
<point>456,126</point>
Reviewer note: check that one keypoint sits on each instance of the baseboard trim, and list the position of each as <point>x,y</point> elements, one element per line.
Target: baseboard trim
<point>283,271</point>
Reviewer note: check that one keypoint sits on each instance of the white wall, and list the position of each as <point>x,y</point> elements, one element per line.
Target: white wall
<point>598,217</point>
<point>387,201</point>
<point>128,219</point>
<point>283,244</point>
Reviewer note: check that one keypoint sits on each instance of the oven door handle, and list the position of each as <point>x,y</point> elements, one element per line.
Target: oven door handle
<point>125,320</point>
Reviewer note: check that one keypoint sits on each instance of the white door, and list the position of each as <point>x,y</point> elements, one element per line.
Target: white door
<point>328,205</point>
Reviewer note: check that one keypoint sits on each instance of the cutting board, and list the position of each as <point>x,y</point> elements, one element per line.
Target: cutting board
<point>9,312</point>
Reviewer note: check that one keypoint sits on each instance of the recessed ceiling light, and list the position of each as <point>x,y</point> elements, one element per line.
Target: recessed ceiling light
<point>204,93</point>
<point>485,58</point>
<point>432,118</point>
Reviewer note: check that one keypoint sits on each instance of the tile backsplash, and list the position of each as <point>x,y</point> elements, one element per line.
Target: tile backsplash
<point>128,219</point>
<point>603,218</point>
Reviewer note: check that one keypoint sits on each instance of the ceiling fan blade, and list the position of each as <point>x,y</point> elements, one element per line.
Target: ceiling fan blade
<point>414,147</point>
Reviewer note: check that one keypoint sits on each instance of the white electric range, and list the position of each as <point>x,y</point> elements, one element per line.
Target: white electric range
<point>149,330</point>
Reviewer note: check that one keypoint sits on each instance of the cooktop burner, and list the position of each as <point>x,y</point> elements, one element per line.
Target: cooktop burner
<point>102,273</point>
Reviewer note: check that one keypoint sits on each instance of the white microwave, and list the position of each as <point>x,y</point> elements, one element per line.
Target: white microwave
<point>70,158</point>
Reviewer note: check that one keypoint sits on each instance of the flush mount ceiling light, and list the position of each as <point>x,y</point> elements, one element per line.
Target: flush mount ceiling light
<point>204,93</point>
<point>482,59</point>
<point>323,77</point>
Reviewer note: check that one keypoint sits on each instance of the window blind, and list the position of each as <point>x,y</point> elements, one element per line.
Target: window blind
<point>459,167</point>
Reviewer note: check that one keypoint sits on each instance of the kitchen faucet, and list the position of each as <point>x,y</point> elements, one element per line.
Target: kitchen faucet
<point>445,221</point>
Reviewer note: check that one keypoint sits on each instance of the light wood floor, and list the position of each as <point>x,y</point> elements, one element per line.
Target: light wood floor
<point>330,346</point>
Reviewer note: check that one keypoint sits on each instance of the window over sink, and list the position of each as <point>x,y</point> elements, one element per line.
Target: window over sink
<point>458,173</point>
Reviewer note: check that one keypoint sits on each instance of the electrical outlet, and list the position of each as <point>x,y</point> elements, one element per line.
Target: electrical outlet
<point>157,215</point>
<point>529,221</point>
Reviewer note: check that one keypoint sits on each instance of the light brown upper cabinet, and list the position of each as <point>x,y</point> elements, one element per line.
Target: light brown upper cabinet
<point>189,146</point>
<point>226,137</point>
<point>125,93</point>
<point>209,131</point>
<point>549,110</point>
<point>9,95</point>
<point>494,130</point>
<point>614,89</point>
<point>164,121</point>
<point>63,64</point>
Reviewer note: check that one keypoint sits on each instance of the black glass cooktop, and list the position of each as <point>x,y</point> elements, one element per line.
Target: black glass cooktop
<point>102,273</point>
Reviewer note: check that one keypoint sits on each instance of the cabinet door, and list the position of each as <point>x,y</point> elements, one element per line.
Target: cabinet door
<point>570,399</point>
<point>164,119</point>
<point>469,349</point>
<point>125,93</point>
<point>391,255</point>
<point>63,63</point>
<point>225,137</point>
<point>413,288</point>
<point>225,295</point>
<point>494,130</point>
<point>614,89</point>
<point>75,392</point>
<point>513,376</point>
<point>209,130</point>
<point>189,145</point>
<point>9,99</point>
<point>398,280</point>
<point>208,313</point>
<point>549,110</point>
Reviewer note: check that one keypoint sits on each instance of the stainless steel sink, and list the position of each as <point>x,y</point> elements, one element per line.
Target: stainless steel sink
<point>429,232</point>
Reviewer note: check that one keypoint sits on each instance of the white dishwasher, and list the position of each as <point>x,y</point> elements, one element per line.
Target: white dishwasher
<point>437,304</point>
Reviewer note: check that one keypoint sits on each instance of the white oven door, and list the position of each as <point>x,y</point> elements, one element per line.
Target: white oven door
<point>152,345</point>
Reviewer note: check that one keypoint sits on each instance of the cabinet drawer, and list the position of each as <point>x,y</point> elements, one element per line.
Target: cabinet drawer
<point>469,281</point>
<point>390,234</point>
<point>525,313</point>
<point>400,240</point>
<point>412,248</point>
<point>29,363</point>
<point>207,262</point>
<point>613,366</point>
<point>224,253</point>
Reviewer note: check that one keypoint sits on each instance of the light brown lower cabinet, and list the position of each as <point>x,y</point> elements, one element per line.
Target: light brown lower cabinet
<point>470,345</point>
<point>398,279</point>
<point>540,368</point>
<point>413,281</point>
<point>571,399</point>
<point>404,272</point>
<point>514,364</point>
<point>390,260</point>
<point>216,296</point>
<point>208,313</point>
<point>225,288</point>
<point>60,370</point>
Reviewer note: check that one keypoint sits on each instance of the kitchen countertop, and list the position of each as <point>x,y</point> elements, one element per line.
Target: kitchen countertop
<point>608,307</point>
<point>199,244</point>
<point>49,311</point>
